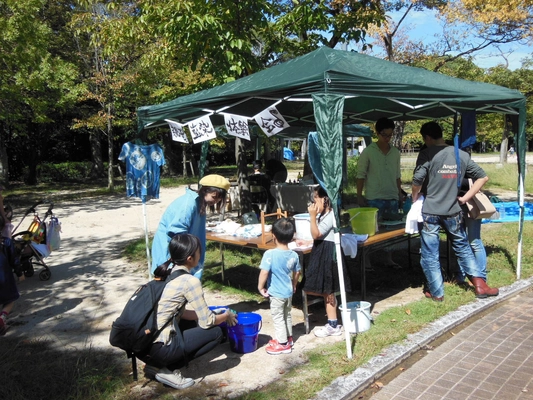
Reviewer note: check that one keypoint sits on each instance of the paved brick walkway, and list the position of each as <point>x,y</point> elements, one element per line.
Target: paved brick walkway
<point>490,359</point>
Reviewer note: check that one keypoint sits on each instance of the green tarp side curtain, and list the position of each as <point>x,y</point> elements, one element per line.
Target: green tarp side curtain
<point>328,110</point>
<point>328,115</point>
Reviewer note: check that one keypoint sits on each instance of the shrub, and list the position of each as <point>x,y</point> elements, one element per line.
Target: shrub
<point>64,172</point>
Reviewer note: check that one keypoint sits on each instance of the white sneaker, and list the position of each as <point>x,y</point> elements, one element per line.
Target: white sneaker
<point>328,330</point>
<point>173,379</point>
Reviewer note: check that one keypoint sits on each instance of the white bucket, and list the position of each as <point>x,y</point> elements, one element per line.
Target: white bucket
<point>303,226</point>
<point>356,318</point>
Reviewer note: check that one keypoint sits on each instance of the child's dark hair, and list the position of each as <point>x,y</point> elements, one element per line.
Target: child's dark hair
<point>183,246</point>
<point>283,230</point>
<point>321,192</point>
<point>163,271</point>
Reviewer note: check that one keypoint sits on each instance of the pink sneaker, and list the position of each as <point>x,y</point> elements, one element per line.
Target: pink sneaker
<point>278,349</point>
<point>273,342</point>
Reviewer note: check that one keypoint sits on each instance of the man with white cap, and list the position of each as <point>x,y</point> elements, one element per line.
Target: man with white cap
<point>187,214</point>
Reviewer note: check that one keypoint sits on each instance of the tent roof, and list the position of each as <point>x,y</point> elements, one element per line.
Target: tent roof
<point>372,87</point>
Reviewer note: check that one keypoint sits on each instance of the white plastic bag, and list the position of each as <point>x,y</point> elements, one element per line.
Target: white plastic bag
<point>53,234</point>
<point>414,216</point>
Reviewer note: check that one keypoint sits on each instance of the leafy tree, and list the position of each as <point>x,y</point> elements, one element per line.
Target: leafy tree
<point>36,84</point>
<point>229,39</point>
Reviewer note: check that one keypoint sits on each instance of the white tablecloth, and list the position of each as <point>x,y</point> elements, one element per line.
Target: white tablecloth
<point>292,198</point>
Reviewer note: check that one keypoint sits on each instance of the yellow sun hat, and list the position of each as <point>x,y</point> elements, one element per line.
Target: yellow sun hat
<point>217,181</point>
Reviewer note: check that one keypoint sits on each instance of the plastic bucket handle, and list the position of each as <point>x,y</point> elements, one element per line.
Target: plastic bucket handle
<point>354,216</point>
<point>368,316</point>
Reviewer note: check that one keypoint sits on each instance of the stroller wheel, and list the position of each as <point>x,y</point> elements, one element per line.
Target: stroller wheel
<point>44,275</point>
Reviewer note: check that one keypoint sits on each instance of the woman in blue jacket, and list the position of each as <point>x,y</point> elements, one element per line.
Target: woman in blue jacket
<point>187,214</point>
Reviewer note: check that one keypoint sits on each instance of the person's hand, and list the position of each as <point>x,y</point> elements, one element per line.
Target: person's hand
<point>303,242</point>
<point>361,201</point>
<point>231,318</point>
<point>264,292</point>
<point>313,210</point>
<point>22,278</point>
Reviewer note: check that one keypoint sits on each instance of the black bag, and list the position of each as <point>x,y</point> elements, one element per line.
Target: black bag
<point>136,328</point>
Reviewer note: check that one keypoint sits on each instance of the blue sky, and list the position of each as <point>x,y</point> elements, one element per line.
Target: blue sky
<point>424,25</point>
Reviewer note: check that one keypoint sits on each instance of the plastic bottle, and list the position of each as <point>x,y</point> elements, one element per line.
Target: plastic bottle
<point>299,177</point>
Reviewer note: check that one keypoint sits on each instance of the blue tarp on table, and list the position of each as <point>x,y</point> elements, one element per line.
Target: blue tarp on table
<point>512,212</point>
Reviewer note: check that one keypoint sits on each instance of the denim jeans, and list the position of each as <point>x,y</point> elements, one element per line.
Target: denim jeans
<point>384,206</point>
<point>473,232</point>
<point>430,241</point>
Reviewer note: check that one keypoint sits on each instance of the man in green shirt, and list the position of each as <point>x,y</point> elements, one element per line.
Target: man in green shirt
<point>379,174</point>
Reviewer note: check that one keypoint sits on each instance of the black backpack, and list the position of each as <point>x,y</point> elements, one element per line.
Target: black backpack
<point>136,328</point>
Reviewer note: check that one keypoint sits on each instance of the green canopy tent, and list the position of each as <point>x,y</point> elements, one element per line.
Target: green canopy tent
<point>328,88</point>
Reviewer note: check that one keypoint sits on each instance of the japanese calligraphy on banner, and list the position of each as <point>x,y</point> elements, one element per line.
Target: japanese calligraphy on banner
<point>202,129</point>
<point>177,131</point>
<point>237,126</point>
<point>271,121</point>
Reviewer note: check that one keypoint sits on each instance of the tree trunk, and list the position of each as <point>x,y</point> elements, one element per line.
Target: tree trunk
<point>503,149</point>
<point>242,174</point>
<point>4,164</point>
<point>173,156</point>
<point>507,131</point>
<point>110,177</point>
<point>398,134</point>
<point>33,157</point>
<point>97,170</point>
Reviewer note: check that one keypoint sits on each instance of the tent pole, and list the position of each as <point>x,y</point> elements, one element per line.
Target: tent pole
<point>337,237</point>
<point>520,224</point>
<point>146,239</point>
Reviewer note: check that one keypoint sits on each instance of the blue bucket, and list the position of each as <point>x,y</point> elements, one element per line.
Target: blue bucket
<point>243,336</point>
<point>249,323</point>
<point>243,343</point>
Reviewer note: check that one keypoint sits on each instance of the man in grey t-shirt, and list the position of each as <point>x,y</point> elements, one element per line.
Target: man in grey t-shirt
<point>439,166</point>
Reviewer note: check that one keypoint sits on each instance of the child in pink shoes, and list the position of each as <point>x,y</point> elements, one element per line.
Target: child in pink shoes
<point>280,269</point>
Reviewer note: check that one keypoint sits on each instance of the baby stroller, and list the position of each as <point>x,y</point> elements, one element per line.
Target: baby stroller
<point>34,244</point>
